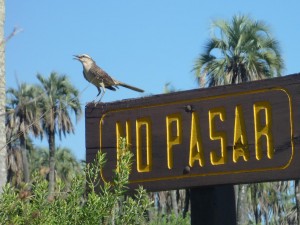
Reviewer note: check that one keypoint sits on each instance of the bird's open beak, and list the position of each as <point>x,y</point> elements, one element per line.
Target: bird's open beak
<point>76,57</point>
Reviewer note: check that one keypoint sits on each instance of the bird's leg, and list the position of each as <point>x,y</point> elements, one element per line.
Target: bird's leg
<point>103,89</point>
<point>99,91</point>
<point>94,101</point>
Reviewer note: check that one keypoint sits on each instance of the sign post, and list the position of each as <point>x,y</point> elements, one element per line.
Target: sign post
<point>230,134</point>
<point>213,205</point>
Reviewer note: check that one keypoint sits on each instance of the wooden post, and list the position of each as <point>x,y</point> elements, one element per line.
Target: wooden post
<point>213,205</point>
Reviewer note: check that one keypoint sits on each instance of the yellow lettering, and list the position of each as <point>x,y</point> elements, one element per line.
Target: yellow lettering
<point>196,149</point>
<point>263,129</point>
<point>173,140</point>
<point>217,135</point>
<point>144,123</point>
<point>240,141</point>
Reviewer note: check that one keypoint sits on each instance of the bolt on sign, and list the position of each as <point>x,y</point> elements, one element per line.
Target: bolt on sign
<point>223,135</point>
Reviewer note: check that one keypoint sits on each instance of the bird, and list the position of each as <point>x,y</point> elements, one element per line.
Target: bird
<point>98,77</point>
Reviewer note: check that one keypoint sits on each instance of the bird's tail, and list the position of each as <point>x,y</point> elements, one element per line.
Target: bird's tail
<point>130,87</point>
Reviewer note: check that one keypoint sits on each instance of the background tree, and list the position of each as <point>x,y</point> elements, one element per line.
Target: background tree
<point>3,153</point>
<point>271,203</point>
<point>238,51</point>
<point>24,117</point>
<point>66,165</point>
<point>61,97</point>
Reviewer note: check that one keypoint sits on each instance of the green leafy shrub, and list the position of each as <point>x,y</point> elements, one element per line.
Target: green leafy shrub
<point>170,219</point>
<point>101,204</point>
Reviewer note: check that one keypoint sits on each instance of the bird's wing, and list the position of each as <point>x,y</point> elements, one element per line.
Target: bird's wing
<point>101,76</point>
<point>112,88</point>
<point>84,75</point>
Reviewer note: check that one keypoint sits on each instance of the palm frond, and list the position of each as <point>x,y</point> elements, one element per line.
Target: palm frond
<point>238,51</point>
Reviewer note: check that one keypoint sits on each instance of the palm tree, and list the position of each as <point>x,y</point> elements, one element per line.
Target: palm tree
<point>15,168</point>
<point>3,153</point>
<point>66,165</point>
<point>61,97</point>
<point>238,51</point>
<point>25,117</point>
<point>14,157</point>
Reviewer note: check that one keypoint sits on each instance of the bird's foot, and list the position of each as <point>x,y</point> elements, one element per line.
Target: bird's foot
<point>96,102</point>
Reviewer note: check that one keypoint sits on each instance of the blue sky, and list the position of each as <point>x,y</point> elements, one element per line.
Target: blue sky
<point>143,43</point>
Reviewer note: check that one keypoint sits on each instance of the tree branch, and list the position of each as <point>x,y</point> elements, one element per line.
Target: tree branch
<point>15,31</point>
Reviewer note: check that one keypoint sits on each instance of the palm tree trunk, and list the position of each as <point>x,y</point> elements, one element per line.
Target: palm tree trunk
<point>51,140</point>
<point>174,202</point>
<point>24,159</point>
<point>297,195</point>
<point>234,74</point>
<point>163,202</point>
<point>186,202</point>
<point>255,203</point>
<point>3,152</point>
<point>242,205</point>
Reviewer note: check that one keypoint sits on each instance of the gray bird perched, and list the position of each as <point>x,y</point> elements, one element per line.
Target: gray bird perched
<point>98,77</point>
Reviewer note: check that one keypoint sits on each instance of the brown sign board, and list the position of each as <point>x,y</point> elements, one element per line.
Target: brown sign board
<point>229,134</point>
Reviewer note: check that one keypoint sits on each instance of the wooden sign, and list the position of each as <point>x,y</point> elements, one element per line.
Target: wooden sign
<point>229,134</point>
